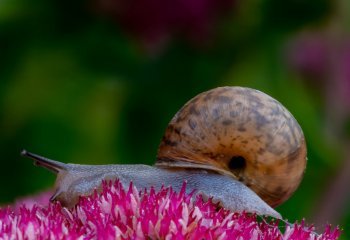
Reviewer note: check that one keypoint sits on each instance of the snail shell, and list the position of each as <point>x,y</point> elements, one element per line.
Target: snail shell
<point>242,133</point>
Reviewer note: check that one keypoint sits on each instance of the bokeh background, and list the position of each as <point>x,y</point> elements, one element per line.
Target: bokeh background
<point>97,81</point>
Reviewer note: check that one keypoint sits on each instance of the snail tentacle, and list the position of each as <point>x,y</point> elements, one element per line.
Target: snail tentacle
<point>49,164</point>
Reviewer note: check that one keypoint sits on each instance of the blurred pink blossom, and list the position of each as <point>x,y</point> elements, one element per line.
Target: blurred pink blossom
<point>155,22</point>
<point>324,60</point>
<point>29,202</point>
<point>117,213</point>
<point>310,55</point>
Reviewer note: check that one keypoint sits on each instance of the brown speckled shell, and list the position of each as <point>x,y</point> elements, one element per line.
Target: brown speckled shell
<point>224,125</point>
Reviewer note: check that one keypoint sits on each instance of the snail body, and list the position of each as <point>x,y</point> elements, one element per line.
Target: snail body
<point>74,180</point>
<point>237,145</point>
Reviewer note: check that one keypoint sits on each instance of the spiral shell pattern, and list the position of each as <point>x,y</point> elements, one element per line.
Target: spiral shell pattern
<point>240,132</point>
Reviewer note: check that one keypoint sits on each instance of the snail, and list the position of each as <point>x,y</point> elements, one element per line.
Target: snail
<point>236,145</point>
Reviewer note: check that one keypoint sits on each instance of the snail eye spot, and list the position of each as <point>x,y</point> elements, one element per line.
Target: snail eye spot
<point>237,162</point>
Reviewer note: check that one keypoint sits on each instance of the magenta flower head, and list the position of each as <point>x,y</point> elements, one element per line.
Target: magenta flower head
<point>118,213</point>
<point>216,176</point>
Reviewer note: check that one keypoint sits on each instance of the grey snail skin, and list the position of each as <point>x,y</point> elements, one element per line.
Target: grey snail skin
<point>236,145</point>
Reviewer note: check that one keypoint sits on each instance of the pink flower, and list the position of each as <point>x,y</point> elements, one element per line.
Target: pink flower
<point>325,61</point>
<point>117,213</point>
<point>155,22</point>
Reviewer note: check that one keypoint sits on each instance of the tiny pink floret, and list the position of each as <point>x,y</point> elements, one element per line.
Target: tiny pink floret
<point>118,213</point>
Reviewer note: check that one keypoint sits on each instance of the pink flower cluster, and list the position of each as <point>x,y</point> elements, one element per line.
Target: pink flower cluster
<point>117,213</point>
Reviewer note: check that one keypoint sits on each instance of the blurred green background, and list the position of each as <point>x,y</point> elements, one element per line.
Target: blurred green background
<point>97,81</point>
